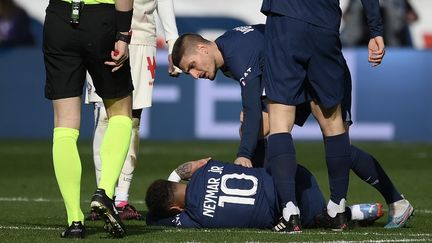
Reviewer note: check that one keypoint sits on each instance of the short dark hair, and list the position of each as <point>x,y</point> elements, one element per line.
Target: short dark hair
<point>159,198</point>
<point>183,45</point>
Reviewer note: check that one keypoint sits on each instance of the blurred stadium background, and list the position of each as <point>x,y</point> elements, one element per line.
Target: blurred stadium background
<point>390,103</point>
<point>392,113</point>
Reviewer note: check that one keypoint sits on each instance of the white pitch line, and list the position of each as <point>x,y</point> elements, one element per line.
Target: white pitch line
<point>48,200</point>
<point>174,230</point>
<point>374,233</point>
<point>11,227</point>
<point>26,199</point>
<point>377,241</point>
<point>425,211</point>
<point>178,230</point>
<point>28,228</point>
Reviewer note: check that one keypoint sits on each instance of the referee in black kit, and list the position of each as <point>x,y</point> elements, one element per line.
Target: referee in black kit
<point>93,35</point>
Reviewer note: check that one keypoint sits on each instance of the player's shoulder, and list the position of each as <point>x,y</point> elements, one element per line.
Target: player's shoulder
<point>241,40</point>
<point>246,30</point>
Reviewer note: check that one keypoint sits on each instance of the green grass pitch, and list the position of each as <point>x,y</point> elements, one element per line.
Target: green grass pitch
<point>32,209</point>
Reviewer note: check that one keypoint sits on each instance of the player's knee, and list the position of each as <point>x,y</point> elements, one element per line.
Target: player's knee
<point>119,107</point>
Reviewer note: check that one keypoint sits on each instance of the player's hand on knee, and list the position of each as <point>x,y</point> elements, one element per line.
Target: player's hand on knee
<point>376,50</point>
<point>243,161</point>
<point>119,55</point>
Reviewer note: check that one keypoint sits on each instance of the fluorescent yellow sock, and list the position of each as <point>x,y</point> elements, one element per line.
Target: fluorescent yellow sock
<point>114,148</point>
<point>67,168</point>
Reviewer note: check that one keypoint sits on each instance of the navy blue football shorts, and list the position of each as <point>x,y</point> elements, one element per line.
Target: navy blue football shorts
<point>304,110</point>
<point>303,62</point>
<point>69,51</point>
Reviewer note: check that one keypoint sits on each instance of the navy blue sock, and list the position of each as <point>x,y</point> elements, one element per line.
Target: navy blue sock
<point>338,158</point>
<point>282,165</point>
<point>258,156</point>
<point>369,170</point>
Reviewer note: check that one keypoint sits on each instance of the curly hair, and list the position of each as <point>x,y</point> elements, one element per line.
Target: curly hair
<point>159,198</point>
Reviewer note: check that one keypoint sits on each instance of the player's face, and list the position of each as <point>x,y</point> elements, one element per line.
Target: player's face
<point>199,64</point>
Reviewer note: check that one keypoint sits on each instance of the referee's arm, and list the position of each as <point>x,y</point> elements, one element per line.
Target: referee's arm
<point>124,5</point>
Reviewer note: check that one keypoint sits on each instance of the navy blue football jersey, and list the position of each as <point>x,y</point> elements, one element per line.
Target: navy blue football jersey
<point>323,13</point>
<point>223,195</point>
<point>242,51</point>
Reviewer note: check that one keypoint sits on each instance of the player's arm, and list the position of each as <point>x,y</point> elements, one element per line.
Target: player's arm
<point>120,54</point>
<point>186,170</point>
<point>165,9</point>
<point>376,47</point>
<point>252,119</point>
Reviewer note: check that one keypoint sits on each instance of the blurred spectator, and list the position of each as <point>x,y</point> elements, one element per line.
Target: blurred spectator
<point>397,16</point>
<point>14,25</point>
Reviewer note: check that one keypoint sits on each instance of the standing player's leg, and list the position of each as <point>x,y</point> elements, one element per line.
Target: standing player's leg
<point>115,143</point>
<point>67,163</point>
<point>114,147</point>
<point>367,168</point>
<point>282,163</point>
<point>100,126</point>
<point>337,151</point>
<point>115,88</point>
<point>125,209</point>
<point>283,77</point>
<point>327,86</point>
<point>65,74</point>
<point>143,68</point>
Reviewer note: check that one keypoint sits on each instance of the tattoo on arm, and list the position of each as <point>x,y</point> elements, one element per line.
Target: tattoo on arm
<point>185,170</point>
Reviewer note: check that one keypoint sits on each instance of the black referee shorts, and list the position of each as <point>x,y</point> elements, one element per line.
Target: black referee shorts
<point>71,50</point>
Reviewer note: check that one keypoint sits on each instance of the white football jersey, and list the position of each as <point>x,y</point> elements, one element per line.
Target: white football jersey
<point>144,24</point>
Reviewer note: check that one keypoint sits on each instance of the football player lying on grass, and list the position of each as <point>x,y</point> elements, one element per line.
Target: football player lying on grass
<point>225,195</point>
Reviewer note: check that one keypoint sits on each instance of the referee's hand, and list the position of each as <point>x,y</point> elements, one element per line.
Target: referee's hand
<point>119,55</point>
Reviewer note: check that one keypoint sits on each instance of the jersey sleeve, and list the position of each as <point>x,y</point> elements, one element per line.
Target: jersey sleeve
<point>373,16</point>
<point>242,49</point>
<point>165,9</point>
<point>252,118</point>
